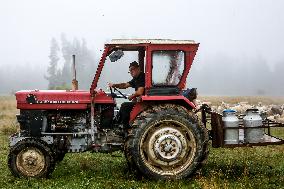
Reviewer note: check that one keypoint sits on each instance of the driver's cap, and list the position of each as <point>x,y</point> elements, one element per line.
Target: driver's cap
<point>134,64</point>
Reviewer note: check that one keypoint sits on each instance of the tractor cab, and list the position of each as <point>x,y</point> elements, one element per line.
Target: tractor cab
<point>166,64</point>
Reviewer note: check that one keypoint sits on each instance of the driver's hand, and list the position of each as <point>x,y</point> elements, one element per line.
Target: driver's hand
<point>110,84</point>
<point>130,97</point>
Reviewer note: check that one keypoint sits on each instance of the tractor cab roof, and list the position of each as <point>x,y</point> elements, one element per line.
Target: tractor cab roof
<point>149,41</point>
<point>159,58</point>
<point>134,44</point>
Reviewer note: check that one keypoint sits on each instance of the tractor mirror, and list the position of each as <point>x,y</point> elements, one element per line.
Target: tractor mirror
<point>116,55</point>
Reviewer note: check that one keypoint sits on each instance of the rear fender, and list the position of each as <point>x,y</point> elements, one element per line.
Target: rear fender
<point>152,100</point>
<point>137,109</point>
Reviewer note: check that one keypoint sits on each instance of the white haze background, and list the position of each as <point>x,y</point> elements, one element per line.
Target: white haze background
<point>241,41</point>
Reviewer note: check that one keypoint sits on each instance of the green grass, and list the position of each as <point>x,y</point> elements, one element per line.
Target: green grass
<point>249,167</point>
<point>277,132</point>
<point>257,167</point>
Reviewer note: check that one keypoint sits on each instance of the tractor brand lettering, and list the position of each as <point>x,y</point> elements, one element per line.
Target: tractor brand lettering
<point>57,102</point>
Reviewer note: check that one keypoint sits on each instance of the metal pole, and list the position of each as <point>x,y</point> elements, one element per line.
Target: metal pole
<point>74,81</point>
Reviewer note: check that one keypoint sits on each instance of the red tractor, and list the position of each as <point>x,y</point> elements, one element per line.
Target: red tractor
<point>165,138</point>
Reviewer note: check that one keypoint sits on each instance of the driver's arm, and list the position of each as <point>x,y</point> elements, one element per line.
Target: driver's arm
<point>120,85</point>
<point>139,92</point>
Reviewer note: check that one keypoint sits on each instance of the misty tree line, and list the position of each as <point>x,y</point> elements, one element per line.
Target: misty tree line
<point>212,75</point>
<point>60,77</point>
<point>224,75</point>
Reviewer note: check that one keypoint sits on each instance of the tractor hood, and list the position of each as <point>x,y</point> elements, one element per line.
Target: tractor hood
<point>58,99</point>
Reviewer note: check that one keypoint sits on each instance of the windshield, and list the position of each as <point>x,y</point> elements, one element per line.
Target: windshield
<point>117,71</point>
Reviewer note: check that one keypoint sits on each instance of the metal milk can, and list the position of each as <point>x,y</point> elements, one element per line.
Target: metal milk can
<point>252,120</point>
<point>231,136</point>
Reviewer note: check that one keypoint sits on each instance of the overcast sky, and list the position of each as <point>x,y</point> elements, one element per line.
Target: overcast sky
<point>247,27</point>
<point>237,28</point>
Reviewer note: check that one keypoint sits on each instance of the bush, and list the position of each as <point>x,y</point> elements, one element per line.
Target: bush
<point>8,129</point>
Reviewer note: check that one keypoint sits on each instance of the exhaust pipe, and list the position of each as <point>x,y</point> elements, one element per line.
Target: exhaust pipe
<point>74,81</point>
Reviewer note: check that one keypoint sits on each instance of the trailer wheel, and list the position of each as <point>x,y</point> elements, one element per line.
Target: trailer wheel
<point>167,142</point>
<point>31,158</point>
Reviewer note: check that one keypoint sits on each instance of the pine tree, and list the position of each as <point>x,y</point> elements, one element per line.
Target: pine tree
<point>80,64</point>
<point>67,55</point>
<point>85,64</point>
<point>52,77</point>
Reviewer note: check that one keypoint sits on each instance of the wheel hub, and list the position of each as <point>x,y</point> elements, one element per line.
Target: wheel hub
<point>167,146</point>
<point>30,161</point>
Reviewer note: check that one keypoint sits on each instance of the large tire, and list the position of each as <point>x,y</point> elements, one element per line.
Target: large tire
<point>167,142</point>
<point>31,158</point>
<point>128,155</point>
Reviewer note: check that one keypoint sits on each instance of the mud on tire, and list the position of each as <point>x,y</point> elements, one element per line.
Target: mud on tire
<point>31,158</point>
<point>167,142</point>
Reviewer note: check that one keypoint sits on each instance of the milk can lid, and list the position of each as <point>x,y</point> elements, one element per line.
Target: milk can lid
<point>229,111</point>
<point>252,110</point>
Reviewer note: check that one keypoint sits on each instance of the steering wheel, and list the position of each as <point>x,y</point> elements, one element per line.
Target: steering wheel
<point>112,92</point>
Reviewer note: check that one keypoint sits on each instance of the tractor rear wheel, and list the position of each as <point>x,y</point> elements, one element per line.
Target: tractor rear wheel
<point>31,158</point>
<point>167,142</point>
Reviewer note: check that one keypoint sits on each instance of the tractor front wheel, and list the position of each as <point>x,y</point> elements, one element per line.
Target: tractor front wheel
<point>31,158</point>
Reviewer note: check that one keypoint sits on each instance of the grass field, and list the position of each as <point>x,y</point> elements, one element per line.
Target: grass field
<point>249,167</point>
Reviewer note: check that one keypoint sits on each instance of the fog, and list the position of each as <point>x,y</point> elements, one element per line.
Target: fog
<point>241,42</point>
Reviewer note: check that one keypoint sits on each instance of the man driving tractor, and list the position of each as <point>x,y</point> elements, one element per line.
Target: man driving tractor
<point>138,82</point>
